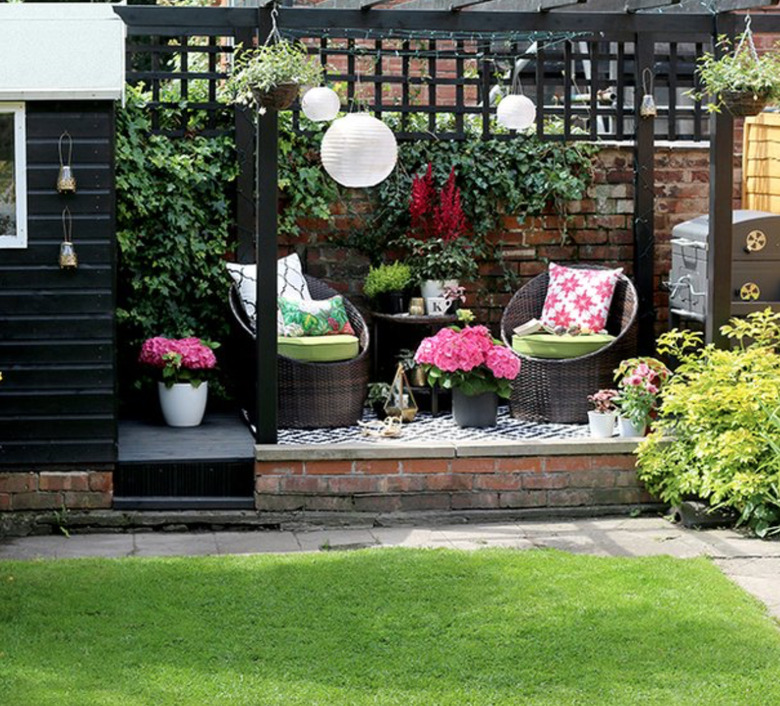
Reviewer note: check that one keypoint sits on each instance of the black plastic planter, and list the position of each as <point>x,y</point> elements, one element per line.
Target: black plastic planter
<point>391,302</point>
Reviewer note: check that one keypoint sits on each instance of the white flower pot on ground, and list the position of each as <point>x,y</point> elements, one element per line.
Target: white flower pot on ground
<point>182,404</point>
<point>602,424</point>
<point>628,428</point>
<point>435,288</point>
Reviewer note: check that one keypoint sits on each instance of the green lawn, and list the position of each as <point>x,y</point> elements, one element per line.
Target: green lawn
<point>389,626</point>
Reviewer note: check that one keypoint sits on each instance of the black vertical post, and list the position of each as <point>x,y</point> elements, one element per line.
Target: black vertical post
<point>245,183</point>
<point>719,293</point>
<point>266,252</point>
<point>644,201</point>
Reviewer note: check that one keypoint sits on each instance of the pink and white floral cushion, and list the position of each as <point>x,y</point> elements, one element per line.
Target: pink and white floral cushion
<point>577,296</point>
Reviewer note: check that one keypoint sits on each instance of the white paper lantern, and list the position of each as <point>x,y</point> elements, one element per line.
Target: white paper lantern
<point>359,151</point>
<point>516,112</point>
<point>321,104</point>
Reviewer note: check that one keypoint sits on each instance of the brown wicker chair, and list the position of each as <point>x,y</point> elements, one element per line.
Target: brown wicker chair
<point>311,395</point>
<point>557,390</point>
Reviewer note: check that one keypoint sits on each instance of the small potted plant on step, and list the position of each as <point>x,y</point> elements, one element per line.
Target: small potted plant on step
<point>601,420</point>
<point>378,394</point>
<point>387,286</point>
<point>183,364</point>
<point>739,79</point>
<point>271,75</point>
<point>639,382</point>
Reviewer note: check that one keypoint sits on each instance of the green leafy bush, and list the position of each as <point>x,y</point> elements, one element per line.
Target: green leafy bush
<point>173,216</point>
<point>387,278</point>
<point>721,409</point>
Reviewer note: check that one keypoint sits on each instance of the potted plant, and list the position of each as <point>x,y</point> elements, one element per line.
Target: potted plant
<point>387,286</point>
<point>271,75</point>
<point>440,253</point>
<point>416,374</point>
<point>601,420</point>
<point>183,365</point>
<point>475,366</point>
<point>738,79</point>
<point>639,382</point>
<point>378,394</point>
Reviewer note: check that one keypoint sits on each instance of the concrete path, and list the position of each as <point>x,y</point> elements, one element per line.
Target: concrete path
<point>751,563</point>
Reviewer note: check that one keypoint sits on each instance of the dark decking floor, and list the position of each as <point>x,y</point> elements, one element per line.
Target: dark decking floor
<point>220,436</point>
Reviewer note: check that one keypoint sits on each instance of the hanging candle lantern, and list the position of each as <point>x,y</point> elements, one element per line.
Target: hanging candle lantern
<point>321,104</point>
<point>647,108</point>
<point>516,112</point>
<point>359,151</point>
<point>68,258</point>
<point>66,182</point>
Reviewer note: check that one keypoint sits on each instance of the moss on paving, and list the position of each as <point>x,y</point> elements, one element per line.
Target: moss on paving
<point>391,626</point>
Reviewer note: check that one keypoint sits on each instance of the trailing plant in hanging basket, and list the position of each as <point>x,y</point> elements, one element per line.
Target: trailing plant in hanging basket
<point>270,76</point>
<point>738,79</point>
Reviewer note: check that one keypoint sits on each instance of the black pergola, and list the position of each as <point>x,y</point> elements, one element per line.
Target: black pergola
<point>642,23</point>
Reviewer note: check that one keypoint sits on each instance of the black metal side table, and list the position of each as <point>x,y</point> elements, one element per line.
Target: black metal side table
<point>392,332</point>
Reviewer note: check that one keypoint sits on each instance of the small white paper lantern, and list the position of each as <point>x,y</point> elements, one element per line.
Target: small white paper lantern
<point>516,112</point>
<point>359,151</point>
<point>321,104</point>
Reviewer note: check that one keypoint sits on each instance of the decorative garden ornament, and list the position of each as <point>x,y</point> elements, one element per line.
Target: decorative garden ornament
<point>66,182</point>
<point>400,402</point>
<point>359,151</point>
<point>68,258</point>
<point>321,104</point>
<point>647,109</point>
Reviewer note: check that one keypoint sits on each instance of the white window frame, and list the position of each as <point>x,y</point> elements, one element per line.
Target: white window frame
<point>20,176</point>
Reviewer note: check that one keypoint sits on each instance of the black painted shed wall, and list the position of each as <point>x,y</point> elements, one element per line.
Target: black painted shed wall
<point>57,328</point>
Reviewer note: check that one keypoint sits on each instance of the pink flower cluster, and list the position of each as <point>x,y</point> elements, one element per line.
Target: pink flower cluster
<point>195,355</point>
<point>452,351</point>
<point>643,376</point>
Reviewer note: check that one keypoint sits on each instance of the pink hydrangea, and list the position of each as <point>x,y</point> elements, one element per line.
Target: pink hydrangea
<point>195,355</point>
<point>458,353</point>
<point>502,363</point>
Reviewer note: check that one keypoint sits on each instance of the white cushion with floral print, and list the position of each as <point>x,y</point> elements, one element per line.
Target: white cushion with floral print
<point>579,297</point>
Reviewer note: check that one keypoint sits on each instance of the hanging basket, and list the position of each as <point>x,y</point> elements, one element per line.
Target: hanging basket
<point>742,104</point>
<point>279,97</point>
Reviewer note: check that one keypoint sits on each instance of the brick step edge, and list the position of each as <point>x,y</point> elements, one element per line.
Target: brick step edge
<point>22,524</point>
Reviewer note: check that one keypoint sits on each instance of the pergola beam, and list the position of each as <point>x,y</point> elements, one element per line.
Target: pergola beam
<point>722,6</point>
<point>349,4</point>
<point>639,5</point>
<point>486,5</point>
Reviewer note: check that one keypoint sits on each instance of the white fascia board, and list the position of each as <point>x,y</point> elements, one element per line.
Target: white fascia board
<point>70,51</point>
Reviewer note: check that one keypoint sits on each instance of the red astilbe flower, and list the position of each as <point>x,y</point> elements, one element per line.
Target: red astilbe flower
<point>423,205</point>
<point>436,214</point>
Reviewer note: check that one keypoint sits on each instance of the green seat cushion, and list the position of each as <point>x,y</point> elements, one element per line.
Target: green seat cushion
<point>548,345</point>
<point>319,349</point>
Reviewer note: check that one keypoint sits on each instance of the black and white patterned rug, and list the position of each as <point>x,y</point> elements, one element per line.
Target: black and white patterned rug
<point>442,428</point>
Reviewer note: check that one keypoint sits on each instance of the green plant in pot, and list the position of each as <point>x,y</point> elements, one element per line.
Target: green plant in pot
<point>271,75</point>
<point>378,394</point>
<point>738,79</point>
<point>387,285</point>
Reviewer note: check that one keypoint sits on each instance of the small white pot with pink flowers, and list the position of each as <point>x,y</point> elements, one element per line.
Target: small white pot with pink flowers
<point>184,364</point>
<point>601,420</point>
<point>475,366</point>
<point>639,382</point>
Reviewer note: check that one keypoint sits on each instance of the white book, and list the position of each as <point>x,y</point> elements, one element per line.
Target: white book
<point>529,327</point>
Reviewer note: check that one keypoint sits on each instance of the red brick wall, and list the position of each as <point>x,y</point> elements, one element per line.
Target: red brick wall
<point>448,483</point>
<point>55,490</point>
<point>599,230</point>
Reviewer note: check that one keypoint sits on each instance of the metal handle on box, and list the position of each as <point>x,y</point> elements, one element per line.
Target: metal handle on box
<point>684,281</point>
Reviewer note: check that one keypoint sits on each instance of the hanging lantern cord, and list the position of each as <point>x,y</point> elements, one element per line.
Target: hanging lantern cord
<point>70,148</point>
<point>647,81</point>
<point>67,225</point>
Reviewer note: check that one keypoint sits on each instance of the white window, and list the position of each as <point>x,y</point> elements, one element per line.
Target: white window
<point>13,176</point>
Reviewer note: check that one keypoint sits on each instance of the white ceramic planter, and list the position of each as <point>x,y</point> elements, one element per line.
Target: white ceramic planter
<point>434,288</point>
<point>628,429</point>
<point>602,424</point>
<point>182,404</point>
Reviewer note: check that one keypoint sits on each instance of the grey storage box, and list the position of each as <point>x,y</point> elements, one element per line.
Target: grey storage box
<point>755,256</point>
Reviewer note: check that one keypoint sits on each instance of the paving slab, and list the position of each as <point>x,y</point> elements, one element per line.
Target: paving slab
<point>256,542</point>
<point>175,544</point>
<point>333,539</point>
<point>62,547</point>
<point>761,577</point>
